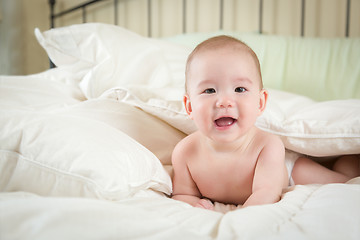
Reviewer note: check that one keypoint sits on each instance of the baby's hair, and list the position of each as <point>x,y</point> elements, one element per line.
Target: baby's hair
<point>218,42</point>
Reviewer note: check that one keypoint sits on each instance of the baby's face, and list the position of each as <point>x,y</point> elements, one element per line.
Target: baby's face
<point>224,93</point>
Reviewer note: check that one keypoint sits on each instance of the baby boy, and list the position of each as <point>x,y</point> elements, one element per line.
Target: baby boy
<point>228,159</point>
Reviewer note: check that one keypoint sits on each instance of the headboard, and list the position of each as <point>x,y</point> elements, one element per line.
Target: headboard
<point>222,11</point>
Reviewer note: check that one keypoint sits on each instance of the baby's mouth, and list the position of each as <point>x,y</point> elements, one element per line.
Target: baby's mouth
<point>225,121</point>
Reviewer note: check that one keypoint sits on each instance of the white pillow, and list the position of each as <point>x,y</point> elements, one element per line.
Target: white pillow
<point>151,132</point>
<point>318,129</point>
<point>107,56</point>
<point>110,56</point>
<point>54,153</point>
<point>314,128</point>
<point>163,103</point>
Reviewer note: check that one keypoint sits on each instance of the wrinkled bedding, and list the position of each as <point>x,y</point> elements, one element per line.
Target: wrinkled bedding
<point>86,154</point>
<point>305,212</point>
<point>53,194</point>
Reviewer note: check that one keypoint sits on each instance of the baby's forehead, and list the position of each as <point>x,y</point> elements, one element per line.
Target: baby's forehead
<point>234,50</point>
<point>216,54</point>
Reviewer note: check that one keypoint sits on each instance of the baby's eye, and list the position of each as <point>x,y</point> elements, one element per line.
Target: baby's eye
<point>240,89</point>
<point>209,90</point>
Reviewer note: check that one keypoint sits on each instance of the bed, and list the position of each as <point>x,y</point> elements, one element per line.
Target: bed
<point>86,145</point>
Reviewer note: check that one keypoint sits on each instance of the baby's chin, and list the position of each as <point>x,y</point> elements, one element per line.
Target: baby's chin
<point>232,135</point>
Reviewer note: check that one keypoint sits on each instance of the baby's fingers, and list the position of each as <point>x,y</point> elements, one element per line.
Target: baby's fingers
<point>205,203</point>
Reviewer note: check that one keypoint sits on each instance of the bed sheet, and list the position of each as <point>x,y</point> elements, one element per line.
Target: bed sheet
<point>305,212</point>
<point>39,208</point>
<point>72,168</point>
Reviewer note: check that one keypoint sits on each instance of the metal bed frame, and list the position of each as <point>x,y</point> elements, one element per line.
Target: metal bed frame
<point>84,5</point>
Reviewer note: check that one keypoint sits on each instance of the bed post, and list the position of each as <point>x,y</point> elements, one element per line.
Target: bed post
<point>221,26</point>
<point>116,12</point>
<point>149,18</point>
<point>184,16</point>
<point>302,17</point>
<point>52,18</point>
<point>52,23</point>
<point>260,16</point>
<point>347,18</point>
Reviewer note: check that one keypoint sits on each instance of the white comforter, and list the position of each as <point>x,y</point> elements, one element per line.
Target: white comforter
<point>68,171</point>
<point>305,212</point>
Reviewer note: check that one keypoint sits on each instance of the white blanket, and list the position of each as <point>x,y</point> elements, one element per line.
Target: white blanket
<point>305,212</point>
<point>85,148</point>
<point>68,171</point>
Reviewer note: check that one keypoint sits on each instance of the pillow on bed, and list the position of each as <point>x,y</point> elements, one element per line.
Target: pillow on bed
<point>117,58</point>
<point>314,128</point>
<point>110,56</point>
<point>107,56</point>
<point>52,153</point>
<point>151,132</point>
<point>318,129</point>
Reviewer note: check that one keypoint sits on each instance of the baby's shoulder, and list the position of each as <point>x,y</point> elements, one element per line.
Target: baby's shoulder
<point>187,142</point>
<point>186,147</point>
<point>269,139</point>
<point>272,146</point>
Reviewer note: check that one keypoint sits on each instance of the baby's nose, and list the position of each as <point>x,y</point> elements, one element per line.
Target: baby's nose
<point>225,102</point>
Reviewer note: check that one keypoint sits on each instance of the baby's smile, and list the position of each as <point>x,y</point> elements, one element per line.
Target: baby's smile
<point>225,122</point>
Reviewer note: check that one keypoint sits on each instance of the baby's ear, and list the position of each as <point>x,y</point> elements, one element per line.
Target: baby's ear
<point>263,100</point>
<point>187,104</point>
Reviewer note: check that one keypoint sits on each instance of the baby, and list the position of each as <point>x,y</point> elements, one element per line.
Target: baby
<point>228,159</point>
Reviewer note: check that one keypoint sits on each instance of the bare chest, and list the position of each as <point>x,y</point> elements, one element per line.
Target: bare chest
<point>226,180</point>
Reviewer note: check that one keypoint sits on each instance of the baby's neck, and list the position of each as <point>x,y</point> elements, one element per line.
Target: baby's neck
<point>239,144</point>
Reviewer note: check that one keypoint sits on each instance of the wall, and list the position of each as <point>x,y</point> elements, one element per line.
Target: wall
<point>11,33</point>
<point>19,51</point>
<point>324,18</point>
<point>21,54</point>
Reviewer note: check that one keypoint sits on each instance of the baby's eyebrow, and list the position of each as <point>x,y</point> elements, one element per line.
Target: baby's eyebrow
<point>205,82</point>
<point>244,79</point>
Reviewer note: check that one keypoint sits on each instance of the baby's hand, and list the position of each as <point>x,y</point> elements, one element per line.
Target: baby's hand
<point>205,203</point>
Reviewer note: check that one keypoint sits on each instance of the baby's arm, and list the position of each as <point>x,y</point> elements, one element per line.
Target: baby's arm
<point>184,187</point>
<point>269,174</point>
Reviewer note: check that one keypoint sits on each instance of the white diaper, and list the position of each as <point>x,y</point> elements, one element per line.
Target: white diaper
<point>290,159</point>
